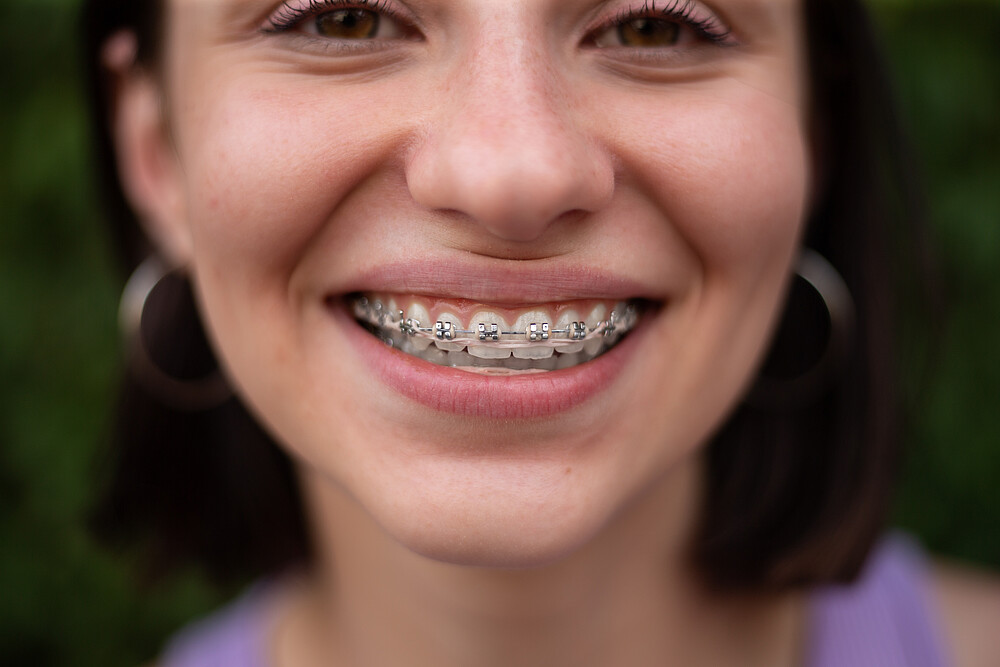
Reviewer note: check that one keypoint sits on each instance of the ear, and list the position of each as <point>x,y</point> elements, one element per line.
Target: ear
<point>148,168</point>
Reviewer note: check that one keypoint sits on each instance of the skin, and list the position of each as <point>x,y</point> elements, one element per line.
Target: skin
<point>280,172</point>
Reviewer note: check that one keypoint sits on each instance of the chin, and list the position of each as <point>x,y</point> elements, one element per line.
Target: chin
<point>519,533</point>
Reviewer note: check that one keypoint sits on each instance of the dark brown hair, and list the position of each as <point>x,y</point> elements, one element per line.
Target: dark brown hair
<point>796,493</point>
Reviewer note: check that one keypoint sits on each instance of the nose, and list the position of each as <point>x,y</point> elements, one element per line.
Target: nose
<point>505,146</point>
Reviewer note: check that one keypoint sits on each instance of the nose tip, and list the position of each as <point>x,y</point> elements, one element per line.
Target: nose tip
<point>504,150</point>
<point>513,186</point>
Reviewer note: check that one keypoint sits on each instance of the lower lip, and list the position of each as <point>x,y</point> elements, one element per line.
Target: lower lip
<point>489,397</point>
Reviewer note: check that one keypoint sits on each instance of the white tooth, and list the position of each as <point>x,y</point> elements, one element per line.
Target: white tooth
<point>597,315</point>
<point>416,311</point>
<point>518,364</point>
<point>392,306</point>
<point>419,343</point>
<point>488,363</point>
<point>529,317</point>
<point>435,356</point>
<point>620,309</point>
<point>534,352</point>
<point>547,364</point>
<point>568,360</point>
<point>489,352</point>
<point>595,318</point>
<point>360,310</point>
<point>565,323</point>
<point>488,318</point>
<point>570,348</point>
<point>456,323</point>
<point>460,359</point>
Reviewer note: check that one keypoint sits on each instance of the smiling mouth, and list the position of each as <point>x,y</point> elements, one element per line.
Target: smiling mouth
<point>492,340</point>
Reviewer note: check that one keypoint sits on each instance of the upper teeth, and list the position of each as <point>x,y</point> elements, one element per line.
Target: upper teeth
<point>488,330</point>
<point>527,341</point>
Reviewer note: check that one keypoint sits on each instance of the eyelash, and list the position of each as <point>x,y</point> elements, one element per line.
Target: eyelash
<point>708,28</point>
<point>289,18</point>
<point>685,12</point>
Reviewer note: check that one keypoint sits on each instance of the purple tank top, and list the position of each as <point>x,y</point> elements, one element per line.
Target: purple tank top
<point>885,618</point>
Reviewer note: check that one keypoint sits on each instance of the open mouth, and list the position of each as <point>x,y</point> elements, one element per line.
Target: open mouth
<point>495,340</point>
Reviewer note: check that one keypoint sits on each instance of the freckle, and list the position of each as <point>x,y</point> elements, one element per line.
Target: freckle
<point>569,470</point>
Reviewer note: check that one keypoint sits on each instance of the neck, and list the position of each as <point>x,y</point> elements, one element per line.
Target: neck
<point>629,597</point>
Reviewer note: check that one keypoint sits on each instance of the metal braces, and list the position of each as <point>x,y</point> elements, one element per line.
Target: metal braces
<point>376,314</point>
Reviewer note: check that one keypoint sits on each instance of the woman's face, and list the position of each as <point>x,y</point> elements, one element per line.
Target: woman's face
<point>476,161</point>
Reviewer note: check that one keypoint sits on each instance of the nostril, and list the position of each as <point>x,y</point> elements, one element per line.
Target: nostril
<point>515,183</point>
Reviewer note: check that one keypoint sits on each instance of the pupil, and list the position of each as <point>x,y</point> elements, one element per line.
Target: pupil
<point>649,32</point>
<point>348,24</point>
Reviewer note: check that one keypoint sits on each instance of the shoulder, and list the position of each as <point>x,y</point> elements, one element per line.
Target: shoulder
<point>969,605</point>
<point>237,634</point>
<point>888,616</point>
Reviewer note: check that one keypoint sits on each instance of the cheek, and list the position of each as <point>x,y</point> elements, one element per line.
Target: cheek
<point>268,167</point>
<point>731,175</point>
<point>730,179</point>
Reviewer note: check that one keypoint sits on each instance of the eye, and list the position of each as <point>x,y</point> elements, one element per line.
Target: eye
<point>679,23</point>
<point>340,20</point>
<point>354,24</point>
<point>642,32</point>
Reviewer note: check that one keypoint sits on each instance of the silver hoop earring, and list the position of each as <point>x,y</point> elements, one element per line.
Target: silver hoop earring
<point>183,394</point>
<point>826,282</point>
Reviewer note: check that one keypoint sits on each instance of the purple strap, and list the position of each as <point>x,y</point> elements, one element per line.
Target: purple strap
<point>883,619</point>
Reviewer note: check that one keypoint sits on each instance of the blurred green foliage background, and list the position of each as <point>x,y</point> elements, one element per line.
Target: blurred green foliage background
<point>63,601</point>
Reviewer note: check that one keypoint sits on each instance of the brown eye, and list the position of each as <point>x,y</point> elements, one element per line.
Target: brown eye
<point>649,33</point>
<point>348,24</point>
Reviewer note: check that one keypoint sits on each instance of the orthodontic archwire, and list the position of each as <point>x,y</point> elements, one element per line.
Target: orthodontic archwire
<point>376,314</point>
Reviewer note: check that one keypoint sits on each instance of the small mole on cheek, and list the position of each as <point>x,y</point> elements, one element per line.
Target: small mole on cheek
<point>569,471</point>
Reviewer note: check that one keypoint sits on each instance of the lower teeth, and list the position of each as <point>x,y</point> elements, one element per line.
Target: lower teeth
<point>462,360</point>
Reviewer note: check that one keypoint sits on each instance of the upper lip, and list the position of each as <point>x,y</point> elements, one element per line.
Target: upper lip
<point>501,281</point>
